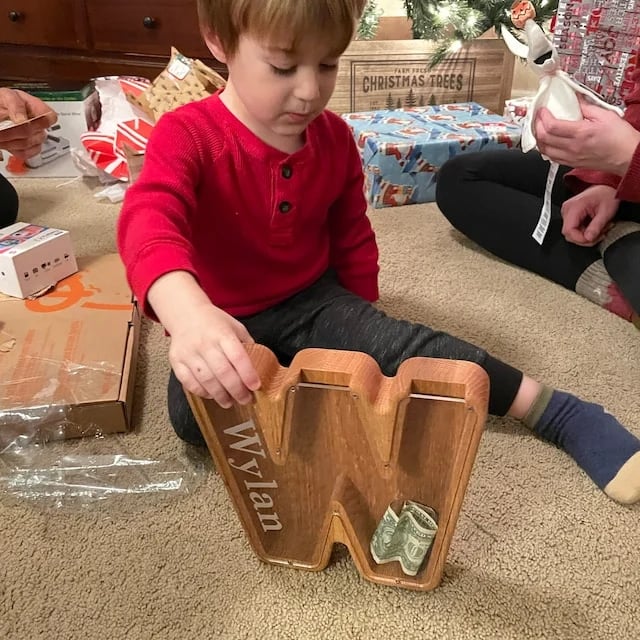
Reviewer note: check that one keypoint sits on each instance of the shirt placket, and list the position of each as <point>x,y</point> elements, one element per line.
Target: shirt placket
<point>284,204</point>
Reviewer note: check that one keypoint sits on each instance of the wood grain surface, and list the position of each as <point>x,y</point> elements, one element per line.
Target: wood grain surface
<point>391,74</point>
<point>330,442</point>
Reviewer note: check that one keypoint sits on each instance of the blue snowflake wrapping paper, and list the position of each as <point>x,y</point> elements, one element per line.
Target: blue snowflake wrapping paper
<point>403,149</point>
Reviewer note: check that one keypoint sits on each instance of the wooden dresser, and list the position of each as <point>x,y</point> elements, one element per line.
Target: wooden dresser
<point>74,40</point>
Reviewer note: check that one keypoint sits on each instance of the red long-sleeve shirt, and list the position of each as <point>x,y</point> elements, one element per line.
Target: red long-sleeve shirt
<point>628,186</point>
<point>252,224</point>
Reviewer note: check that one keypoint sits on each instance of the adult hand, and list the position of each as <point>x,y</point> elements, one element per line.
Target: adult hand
<point>588,216</point>
<point>602,140</point>
<point>26,140</point>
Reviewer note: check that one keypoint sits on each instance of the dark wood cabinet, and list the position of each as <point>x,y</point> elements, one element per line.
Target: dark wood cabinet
<point>75,40</point>
<point>38,22</point>
<point>145,27</point>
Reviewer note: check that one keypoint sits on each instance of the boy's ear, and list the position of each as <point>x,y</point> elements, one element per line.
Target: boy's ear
<point>213,44</point>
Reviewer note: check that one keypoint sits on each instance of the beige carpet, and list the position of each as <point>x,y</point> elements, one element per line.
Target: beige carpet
<point>539,552</point>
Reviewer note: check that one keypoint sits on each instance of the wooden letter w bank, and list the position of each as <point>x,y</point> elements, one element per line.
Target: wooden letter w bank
<point>330,442</point>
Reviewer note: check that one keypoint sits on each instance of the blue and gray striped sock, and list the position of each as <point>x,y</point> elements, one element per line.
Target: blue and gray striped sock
<point>607,452</point>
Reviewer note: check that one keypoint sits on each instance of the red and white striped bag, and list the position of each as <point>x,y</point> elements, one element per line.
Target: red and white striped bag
<point>106,145</point>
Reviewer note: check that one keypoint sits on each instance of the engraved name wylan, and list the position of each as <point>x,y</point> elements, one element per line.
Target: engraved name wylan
<point>247,441</point>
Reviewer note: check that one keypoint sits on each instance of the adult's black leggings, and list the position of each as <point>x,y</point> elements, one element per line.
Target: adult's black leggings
<point>8,203</point>
<point>495,199</point>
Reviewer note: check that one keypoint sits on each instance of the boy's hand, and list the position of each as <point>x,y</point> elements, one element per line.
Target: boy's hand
<point>208,357</point>
<point>588,216</point>
<point>206,352</point>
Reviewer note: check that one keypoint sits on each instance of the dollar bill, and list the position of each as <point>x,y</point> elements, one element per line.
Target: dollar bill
<point>405,538</point>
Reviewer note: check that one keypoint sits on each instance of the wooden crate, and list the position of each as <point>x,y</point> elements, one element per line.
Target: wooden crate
<point>390,74</point>
<point>330,443</point>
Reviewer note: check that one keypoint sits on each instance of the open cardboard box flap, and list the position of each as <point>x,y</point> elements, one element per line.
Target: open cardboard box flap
<point>67,359</point>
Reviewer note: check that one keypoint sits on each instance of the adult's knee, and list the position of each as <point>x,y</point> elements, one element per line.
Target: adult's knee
<point>450,184</point>
<point>8,203</point>
<point>455,192</point>
<point>182,419</point>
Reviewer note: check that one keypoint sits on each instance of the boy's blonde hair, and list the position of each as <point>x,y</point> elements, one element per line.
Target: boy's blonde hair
<point>291,21</point>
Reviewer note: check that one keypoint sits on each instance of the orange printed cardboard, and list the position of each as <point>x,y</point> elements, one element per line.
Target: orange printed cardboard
<point>67,359</point>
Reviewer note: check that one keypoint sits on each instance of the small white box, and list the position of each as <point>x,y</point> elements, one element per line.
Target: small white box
<point>33,258</point>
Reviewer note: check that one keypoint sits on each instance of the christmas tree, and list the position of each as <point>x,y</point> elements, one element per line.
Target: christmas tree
<point>450,23</point>
<point>368,25</point>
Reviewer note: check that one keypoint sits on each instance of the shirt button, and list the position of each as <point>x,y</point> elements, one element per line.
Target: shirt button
<point>287,171</point>
<point>284,207</point>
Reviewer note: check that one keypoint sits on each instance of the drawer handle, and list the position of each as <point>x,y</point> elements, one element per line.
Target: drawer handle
<point>14,16</point>
<point>149,22</point>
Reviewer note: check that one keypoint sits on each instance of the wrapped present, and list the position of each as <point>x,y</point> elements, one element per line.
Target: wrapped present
<point>599,42</point>
<point>183,80</point>
<point>403,149</point>
<point>131,106</point>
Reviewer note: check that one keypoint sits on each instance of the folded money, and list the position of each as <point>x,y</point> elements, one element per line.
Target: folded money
<point>406,537</point>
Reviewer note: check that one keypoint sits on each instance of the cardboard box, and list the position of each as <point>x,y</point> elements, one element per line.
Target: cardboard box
<point>68,358</point>
<point>599,44</point>
<point>33,258</point>
<point>393,74</point>
<point>78,110</point>
<point>402,150</point>
<point>135,160</point>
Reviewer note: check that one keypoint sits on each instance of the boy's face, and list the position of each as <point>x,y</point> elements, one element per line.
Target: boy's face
<point>277,93</point>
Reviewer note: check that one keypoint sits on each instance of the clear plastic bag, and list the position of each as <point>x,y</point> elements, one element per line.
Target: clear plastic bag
<point>79,473</point>
<point>50,459</point>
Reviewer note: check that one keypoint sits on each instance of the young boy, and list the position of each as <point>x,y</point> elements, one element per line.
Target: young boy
<point>249,222</point>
